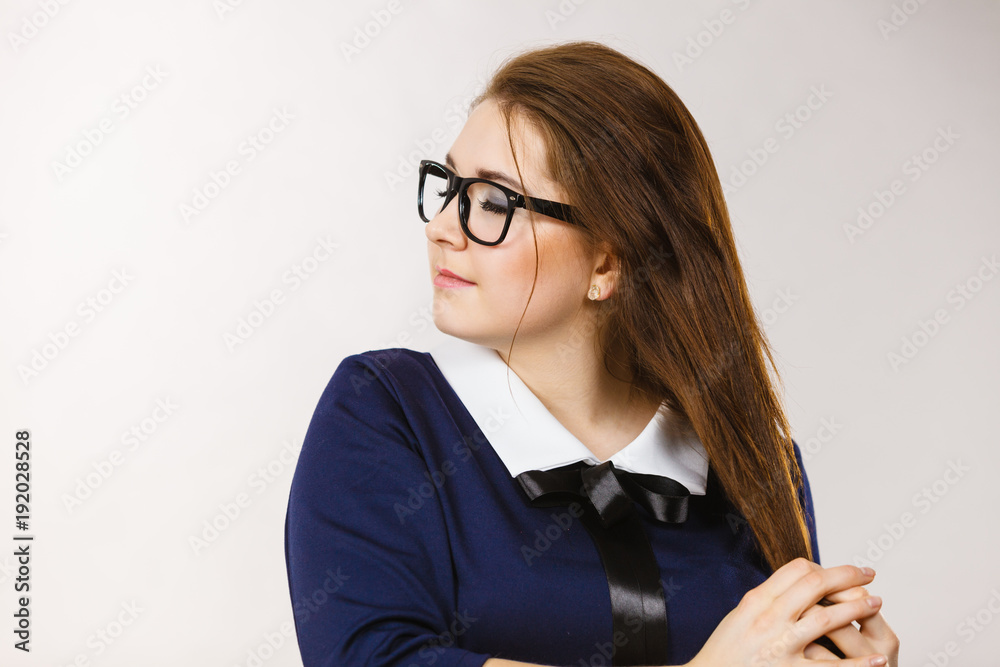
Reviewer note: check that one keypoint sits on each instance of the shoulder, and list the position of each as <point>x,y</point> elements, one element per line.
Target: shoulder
<point>396,379</point>
<point>372,398</point>
<point>390,367</point>
<point>388,357</point>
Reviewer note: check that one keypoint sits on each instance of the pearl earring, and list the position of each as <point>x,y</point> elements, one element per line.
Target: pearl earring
<point>594,293</point>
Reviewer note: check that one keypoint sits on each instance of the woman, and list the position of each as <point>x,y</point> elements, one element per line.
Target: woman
<point>594,468</point>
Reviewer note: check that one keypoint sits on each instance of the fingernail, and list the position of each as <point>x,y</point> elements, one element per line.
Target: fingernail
<point>867,570</point>
<point>878,660</point>
<point>874,601</point>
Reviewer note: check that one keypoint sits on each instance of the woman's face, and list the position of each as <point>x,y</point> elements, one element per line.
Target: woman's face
<point>487,311</point>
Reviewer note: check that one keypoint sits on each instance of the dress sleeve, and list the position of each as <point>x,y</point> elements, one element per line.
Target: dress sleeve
<point>805,499</point>
<point>370,577</point>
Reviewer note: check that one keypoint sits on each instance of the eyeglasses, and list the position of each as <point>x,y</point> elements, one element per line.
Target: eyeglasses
<point>485,208</point>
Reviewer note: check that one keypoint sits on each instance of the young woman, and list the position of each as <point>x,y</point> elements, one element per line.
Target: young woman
<point>594,468</point>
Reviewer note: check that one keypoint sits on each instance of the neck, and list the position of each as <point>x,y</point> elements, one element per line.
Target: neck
<point>571,381</point>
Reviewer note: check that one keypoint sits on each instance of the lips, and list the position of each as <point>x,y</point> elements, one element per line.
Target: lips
<point>446,278</point>
<point>452,274</point>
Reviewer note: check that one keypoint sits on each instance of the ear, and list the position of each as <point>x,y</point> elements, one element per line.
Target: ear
<point>605,274</point>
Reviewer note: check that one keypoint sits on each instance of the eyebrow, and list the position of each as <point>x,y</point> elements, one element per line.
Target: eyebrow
<point>488,174</point>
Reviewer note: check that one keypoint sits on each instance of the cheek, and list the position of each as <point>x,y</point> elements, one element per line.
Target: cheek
<point>508,275</point>
<point>561,276</point>
<point>508,271</point>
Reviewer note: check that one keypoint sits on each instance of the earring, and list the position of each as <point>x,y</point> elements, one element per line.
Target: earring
<point>594,293</point>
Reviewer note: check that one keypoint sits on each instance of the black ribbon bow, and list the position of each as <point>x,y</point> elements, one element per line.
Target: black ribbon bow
<point>609,495</point>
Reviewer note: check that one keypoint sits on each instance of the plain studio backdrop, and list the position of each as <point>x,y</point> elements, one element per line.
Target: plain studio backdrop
<point>205,206</point>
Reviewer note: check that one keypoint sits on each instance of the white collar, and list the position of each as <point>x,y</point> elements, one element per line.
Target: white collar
<point>531,438</point>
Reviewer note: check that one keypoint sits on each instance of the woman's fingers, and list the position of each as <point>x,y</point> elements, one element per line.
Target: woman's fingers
<point>784,577</point>
<point>851,642</point>
<point>816,579</point>
<point>877,631</point>
<point>874,635</point>
<point>836,619</point>
<point>813,586</point>
<point>816,652</point>
<point>783,618</point>
<point>848,594</point>
<point>848,638</point>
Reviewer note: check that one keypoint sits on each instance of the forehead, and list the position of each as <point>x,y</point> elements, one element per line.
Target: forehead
<point>483,145</point>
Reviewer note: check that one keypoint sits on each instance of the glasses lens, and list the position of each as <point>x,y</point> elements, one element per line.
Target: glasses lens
<point>433,192</point>
<point>487,210</point>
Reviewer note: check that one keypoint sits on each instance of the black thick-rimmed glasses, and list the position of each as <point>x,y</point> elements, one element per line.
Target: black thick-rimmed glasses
<point>485,208</point>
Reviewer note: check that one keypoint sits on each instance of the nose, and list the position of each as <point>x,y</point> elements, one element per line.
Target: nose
<point>445,228</point>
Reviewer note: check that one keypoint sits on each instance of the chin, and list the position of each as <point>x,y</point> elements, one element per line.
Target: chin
<point>468,330</point>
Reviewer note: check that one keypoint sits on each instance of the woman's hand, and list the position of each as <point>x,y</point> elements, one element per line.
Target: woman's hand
<point>775,623</point>
<point>875,635</point>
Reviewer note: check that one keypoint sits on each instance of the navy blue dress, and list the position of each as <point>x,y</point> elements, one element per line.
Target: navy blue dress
<point>408,540</point>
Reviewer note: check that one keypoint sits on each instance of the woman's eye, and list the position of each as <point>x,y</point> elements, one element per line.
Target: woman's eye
<point>493,208</point>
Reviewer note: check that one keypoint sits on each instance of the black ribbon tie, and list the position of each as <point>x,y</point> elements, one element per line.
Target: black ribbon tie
<point>608,496</point>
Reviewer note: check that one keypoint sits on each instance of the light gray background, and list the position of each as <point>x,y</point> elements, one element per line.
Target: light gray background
<point>875,434</point>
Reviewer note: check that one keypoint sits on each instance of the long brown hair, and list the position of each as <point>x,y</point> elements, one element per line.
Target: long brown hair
<point>634,164</point>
